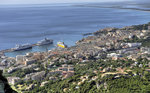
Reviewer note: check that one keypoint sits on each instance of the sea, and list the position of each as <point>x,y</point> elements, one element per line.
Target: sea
<point>21,24</point>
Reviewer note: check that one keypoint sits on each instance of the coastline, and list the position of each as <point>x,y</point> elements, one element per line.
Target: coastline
<point>2,52</point>
<point>88,20</point>
<point>127,5</point>
<point>124,46</point>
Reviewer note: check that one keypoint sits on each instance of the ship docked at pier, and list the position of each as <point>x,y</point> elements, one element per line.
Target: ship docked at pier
<point>22,47</point>
<point>61,44</point>
<point>46,41</point>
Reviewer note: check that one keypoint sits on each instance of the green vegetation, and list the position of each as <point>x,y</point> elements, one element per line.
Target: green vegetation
<point>129,85</point>
<point>90,75</point>
<point>136,81</point>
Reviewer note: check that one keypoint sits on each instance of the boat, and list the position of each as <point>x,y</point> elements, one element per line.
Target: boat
<point>22,47</point>
<point>46,41</point>
<point>61,44</point>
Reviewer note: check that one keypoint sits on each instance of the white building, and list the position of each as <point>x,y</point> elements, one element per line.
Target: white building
<point>29,61</point>
<point>134,44</point>
<point>13,80</point>
<point>20,59</point>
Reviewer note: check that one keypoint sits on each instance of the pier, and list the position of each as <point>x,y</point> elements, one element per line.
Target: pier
<point>2,52</point>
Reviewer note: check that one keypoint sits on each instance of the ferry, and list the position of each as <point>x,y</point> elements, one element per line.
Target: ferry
<point>46,41</point>
<point>61,44</point>
<point>22,47</point>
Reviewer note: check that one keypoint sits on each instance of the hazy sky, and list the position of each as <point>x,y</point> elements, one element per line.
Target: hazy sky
<point>49,1</point>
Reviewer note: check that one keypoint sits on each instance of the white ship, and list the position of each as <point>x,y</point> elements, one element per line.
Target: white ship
<point>46,41</point>
<point>22,47</point>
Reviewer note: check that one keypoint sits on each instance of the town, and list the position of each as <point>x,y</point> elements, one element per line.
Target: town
<point>106,50</point>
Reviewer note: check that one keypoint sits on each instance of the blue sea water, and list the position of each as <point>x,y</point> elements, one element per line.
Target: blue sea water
<point>67,23</point>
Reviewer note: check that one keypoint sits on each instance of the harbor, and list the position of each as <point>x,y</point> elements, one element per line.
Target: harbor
<point>45,43</point>
<point>40,46</point>
<point>75,48</point>
<point>2,52</point>
<point>109,44</point>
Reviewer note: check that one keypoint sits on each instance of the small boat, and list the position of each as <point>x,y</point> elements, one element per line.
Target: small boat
<point>22,47</point>
<point>46,41</point>
<point>61,44</point>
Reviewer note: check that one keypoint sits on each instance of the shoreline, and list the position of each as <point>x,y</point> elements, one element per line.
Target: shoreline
<point>116,7</point>
<point>106,46</point>
<point>2,52</point>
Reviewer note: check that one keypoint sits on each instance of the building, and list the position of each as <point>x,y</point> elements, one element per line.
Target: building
<point>67,74</point>
<point>29,54</point>
<point>145,50</point>
<point>65,71</point>
<point>20,59</point>
<point>13,80</point>
<point>55,72</point>
<point>66,67</point>
<point>134,44</point>
<point>12,69</point>
<point>3,62</point>
<point>29,61</point>
<point>38,75</point>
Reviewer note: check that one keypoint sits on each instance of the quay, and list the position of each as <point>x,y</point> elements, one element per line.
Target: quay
<point>2,52</point>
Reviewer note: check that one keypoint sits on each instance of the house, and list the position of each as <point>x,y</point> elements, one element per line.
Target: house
<point>35,76</point>
<point>145,50</point>
<point>65,65</point>
<point>134,44</point>
<point>70,68</point>
<point>114,56</point>
<point>29,54</point>
<point>13,80</point>
<point>12,69</point>
<point>3,62</point>
<point>43,83</point>
<point>94,77</point>
<point>65,71</point>
<point>83,78</point>
<point>52,78</point>
<point>29,61</point>
<point>38,76</point>
<point>55,72</point>
<point>20,59</point>
<point>68,74</point>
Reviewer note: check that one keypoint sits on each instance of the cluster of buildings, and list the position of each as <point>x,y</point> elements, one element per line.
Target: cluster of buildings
<point>110,42</point>
<point>65,71</point>
<point>36,76</point>
<point>25,59</point>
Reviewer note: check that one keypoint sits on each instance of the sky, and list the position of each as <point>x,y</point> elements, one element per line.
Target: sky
<point>50,1</point>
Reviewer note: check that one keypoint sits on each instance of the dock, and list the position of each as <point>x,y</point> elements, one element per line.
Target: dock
<point>2,52</point>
